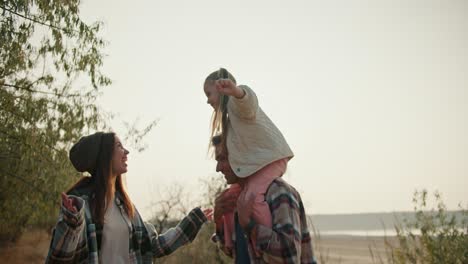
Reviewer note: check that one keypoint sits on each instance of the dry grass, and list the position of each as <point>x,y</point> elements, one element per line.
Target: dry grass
<point>31,247</point>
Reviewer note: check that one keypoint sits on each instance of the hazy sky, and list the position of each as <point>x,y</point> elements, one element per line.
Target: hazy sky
<point>372,96</point>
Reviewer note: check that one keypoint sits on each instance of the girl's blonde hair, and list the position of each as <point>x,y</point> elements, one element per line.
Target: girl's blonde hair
<point>219,118</point>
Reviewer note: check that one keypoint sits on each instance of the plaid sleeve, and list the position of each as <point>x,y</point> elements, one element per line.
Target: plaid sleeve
<point>247,106</point>
<point>283,242</point>
<point>68,243</point>
<point>185,232</point>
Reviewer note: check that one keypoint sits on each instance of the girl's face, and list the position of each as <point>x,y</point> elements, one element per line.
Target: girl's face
<point>212,94</point>
<point>119,158</point>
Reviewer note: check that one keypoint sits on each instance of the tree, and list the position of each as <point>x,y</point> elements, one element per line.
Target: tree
<point>50,77</point>
<point>212,187</point>
<point>174,203</point>
<point>170,207</point>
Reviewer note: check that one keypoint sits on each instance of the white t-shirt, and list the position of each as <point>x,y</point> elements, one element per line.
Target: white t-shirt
<point>115,236</point>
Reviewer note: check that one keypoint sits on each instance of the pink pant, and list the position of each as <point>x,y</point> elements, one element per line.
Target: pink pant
<point>251,200</point>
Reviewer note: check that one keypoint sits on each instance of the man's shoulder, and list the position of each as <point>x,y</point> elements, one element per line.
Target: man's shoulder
<point>280,189</point>
<point>279,184</point>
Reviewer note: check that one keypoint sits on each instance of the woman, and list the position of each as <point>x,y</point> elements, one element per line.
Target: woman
<point>98,222</point>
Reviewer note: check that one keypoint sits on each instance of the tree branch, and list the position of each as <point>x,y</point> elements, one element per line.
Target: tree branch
<point>34,125</point>
<point>37,21</point>
<point>42,92</point>
<point>47,195</point>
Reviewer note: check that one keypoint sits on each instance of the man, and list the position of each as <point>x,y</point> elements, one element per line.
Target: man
<point>286,241</point>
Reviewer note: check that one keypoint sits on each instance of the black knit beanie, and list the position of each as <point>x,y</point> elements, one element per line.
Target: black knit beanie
<point>84,154</point>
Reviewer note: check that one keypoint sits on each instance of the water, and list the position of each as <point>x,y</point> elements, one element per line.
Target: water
<point>363,233</point>
<point>372,233</point>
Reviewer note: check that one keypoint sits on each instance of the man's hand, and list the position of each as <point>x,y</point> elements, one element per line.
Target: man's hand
<point>245,213</point>
<point>226,202</point>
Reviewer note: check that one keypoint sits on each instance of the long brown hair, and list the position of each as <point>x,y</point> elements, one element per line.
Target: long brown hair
<point>220,118</point>
<point>100,183</point>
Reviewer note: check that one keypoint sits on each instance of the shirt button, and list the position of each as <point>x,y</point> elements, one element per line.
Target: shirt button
<point>238,169</point>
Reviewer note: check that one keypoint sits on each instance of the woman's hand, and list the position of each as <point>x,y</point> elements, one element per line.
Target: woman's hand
<point>228,87</point>
<point>69,203</point>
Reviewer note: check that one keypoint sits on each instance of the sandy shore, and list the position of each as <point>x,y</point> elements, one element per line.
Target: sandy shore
<point>351,249</point>
<point>32,248</point>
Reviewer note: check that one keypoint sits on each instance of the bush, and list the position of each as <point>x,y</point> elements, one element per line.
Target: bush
<point>434,236</point>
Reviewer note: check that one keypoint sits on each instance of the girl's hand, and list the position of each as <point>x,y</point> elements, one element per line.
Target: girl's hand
<point>228,87</point>
<point>208,214</point>
<point>68,203</point>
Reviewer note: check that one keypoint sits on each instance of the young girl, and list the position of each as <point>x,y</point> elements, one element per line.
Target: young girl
<point>258,153</point>
<point>98,222</point>
<point>253,141</point>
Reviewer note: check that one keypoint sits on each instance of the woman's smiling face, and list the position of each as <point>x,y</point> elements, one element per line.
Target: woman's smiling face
<point>119,158</point>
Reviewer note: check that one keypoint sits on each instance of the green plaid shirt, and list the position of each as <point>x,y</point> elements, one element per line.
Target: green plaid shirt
<point>288,240</point>
<point>76,239</point>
